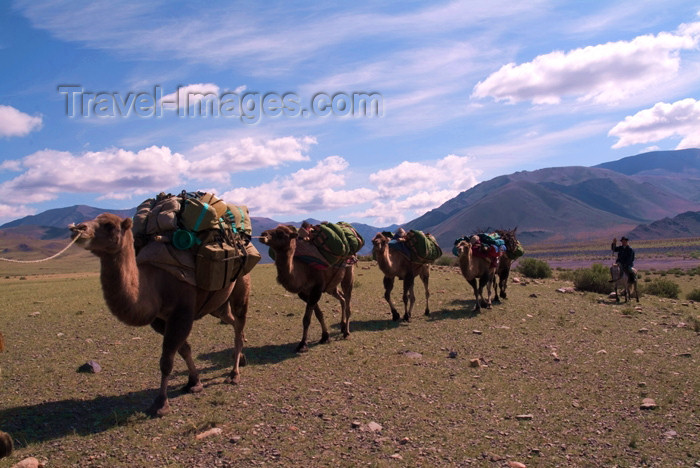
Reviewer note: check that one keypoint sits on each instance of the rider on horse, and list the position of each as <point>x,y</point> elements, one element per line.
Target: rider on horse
<point>625,257</point>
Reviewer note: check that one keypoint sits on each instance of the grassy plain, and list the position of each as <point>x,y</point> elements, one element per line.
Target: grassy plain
<point>545,379</point>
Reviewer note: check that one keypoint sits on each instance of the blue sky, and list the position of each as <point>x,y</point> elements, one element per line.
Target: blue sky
<point>372,112</point>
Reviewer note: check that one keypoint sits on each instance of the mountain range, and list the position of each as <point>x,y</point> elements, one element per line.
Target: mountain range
<point>574,202</point>
<point>640,196</point>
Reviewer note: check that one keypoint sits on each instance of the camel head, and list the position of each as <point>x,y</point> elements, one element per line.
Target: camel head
<point>379,242</point>
<point>280,238</point>
<point>105,235</point>
<point>464,247</point>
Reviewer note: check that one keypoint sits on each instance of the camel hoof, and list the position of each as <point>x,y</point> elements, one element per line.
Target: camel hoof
<point>302,347</point>
<point>233,379</point>
<point>193,386</point>
<point>395,316</point>
<point>503,296</point>
<point>406,318</point>
<point>159,408</point>
<point>325,338</point>
<point>427,312</point>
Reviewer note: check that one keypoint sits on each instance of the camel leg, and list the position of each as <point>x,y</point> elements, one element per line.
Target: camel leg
<point>185,351</point>
<point>325,336</point>
<point>388,286</point>
<point>477,306</point>
<point>177,329</point>
<point>425,277</point>
<point>238,303</point>
<point>487,279</point>
<point>311,300</point>
<point>409,298</point>
<point>346,286</point>
<point>503,282</point>
<point>495,284</point>
<point>617,297</point>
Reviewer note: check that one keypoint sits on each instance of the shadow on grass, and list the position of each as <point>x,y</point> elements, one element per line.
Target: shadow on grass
<point>255,355</point>
<point>57,419</point>
<point>462,309</point>
<point>370,325</point>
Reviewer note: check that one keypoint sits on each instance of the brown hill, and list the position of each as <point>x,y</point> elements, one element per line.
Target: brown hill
<point>684,225</point>
<point>557,203</point>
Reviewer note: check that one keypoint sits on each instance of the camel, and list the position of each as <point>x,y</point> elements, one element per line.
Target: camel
<point>475,268</point>
<point>143,294</point>
<point>621,280</point>
<point>504,264</point>
<point>396,265</point>
<point>309,283</point>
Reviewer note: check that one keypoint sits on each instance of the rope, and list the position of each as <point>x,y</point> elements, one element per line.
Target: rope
<point>43,259</point>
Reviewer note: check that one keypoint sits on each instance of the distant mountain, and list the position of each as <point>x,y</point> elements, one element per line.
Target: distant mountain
<point>677,172</point>
<point>684,225</point>
<point>572,202</point>
<point>62,217</point>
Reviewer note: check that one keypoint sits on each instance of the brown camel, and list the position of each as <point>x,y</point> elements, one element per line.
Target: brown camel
<point>143,294</point>
<point>500,279</point>
<point>475,268</point>
<point>309,283</point>
<point>396,265</point>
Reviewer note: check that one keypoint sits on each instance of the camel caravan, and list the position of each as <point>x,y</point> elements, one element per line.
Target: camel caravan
<point>186,256</point>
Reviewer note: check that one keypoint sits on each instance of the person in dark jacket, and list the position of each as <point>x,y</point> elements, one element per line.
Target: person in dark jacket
<point>625,257</point>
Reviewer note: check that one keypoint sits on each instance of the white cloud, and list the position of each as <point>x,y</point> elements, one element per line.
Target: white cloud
<point>15,123</point>
<point>217,159</point>
<point>410,189</point>
<point>113,172</point>
<point>279,38</point>
<point>190,95</point>
<point>605,74</point>
<point>663,120</point>
<point>304,191</point>
<point>454,172</point>
<point>13,211</point>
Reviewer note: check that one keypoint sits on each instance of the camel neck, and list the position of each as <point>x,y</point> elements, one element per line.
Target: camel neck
<point>121,287</point>
<point>284,261</point>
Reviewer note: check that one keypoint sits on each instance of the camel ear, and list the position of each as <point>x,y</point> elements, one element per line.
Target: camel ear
<point>126,224</point>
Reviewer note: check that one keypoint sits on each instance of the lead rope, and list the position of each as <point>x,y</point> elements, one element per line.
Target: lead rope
<point>43,259</point>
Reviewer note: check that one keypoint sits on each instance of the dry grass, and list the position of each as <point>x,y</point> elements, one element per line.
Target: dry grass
<point>576,364</point>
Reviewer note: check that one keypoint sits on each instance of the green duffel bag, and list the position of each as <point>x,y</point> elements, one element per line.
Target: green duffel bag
<point>202,212</point>
<point>353,238</point>
<point>424,248</point>
<point>517,253</point>
<point>331,242</point>
<point>239,218</point>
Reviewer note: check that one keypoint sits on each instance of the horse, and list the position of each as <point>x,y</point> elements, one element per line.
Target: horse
<point>621,280</point>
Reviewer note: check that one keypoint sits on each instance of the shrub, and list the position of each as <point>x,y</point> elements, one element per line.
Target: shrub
<point>662,288</point>
<point>446,260</point>
<point>694,295</point>
<point>534,268</point>
<point>595,279</point>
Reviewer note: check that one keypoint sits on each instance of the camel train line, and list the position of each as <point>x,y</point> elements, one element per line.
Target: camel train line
<point>187,256</point>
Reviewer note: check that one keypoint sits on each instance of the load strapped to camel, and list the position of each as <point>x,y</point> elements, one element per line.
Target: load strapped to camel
<point>216,233</point>
<point>483,245</point>
<point>493,245</point>
<point>418,246</point>
<point>337,242</point>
